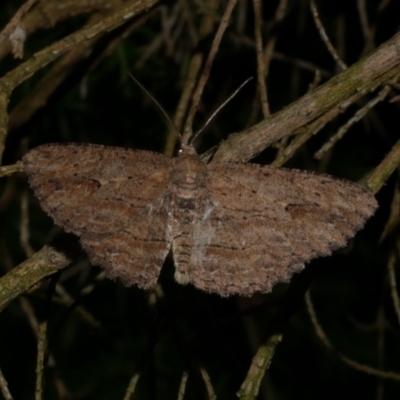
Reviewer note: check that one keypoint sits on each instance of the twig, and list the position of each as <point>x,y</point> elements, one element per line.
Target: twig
<point>40,360</point>
<point>383,171</point>
<point>129,30</point>
<point>24,226</point>
<point>131,387</point>
<point>302,64</point>
<point>367,29</point>
<point>287,152</point>
<point>357,117</point>
<point>361,77</point>
<point>67,300</point>
<point>260,363</point>
<point>8,194</point>
<point>354,364</point>
<point>207,381</point>
<point>4,387</point>
<point>40,94</point>
<point>45,262</point>
<point>187,133</point>
<point>52,52</point>
<point>47,14</point>
<point>269,49</point>
<point>394,215</point>
<point>42,339</point>
<point>29,312</point>
<point>302,134</point>
<point>381,322</point>
<point>260,58</point>
<point>325,38</point>
<point>393,256</point>
<point>11,169</point>
<point>206,27</point>
<point>16,19</point>
<point>182,386</point>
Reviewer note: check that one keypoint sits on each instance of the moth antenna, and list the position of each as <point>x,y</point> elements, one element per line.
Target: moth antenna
<point>158,107</point>
<point>219,109</point>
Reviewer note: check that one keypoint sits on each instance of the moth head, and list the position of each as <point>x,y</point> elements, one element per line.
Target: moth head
<point>187,149</point>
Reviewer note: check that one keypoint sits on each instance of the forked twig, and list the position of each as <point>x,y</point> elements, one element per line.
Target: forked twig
<point>361,113</point>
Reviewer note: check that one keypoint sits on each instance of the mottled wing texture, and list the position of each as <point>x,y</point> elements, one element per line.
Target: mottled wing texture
<point>113,199</point>
<point>263,223</point>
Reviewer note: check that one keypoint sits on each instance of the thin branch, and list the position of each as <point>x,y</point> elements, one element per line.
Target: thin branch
<point>4,387</point>
<point>15,20</point>
<point>383,171</point>
<point>187,133</point>
<point>325,37</point>
<point>305,133</point>
<point>182,386</point>
<point>207,381</point>
<point>24,226</point>
<point>206,28</point>
<point>67,300</point>
<point>394,216</point>
<point>131,387</point>
<point>379,68</point>
<point>260,58</point>
<point>269,50</point>
<point>42,334</point>
<point>42,58</point>
<point>11,169</point>
<point>40,94</point>
<point>354,364</point>
<point>262,360</point>
<point>393,256</point>
<point>260,363</point>
<point>45,262</point>
<point>367,29</point>
<point>361,113</point>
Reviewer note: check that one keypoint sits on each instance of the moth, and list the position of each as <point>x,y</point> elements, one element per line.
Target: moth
<point>232,228</point>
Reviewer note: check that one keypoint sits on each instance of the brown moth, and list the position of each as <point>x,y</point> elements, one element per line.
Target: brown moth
<point>233,228</point>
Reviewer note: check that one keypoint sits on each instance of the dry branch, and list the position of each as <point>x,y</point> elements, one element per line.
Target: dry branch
<point>369,73</point>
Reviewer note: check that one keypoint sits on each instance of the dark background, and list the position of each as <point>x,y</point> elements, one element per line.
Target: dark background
<point>185,328</point>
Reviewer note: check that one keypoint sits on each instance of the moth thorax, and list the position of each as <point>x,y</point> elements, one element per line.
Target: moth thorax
<point>189,175</point>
